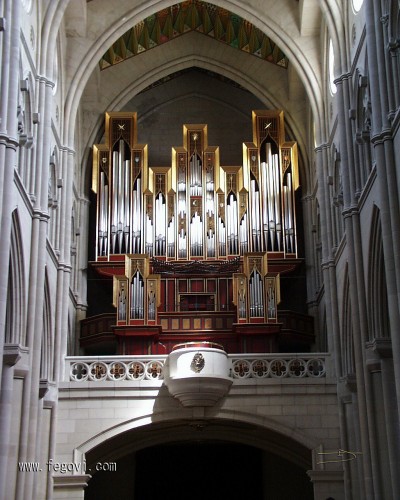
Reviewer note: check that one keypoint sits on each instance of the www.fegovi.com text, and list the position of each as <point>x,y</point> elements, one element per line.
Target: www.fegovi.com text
<point>66,467</point>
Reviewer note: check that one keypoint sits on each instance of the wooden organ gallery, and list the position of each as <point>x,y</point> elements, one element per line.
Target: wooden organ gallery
<point>196,250</point>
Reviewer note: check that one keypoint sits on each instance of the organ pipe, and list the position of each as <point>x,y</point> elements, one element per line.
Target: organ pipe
<point>256,295</point>
<point>137,216</point>
<point>160,224</point>
<point>207,211</point>
<point>289,213</point>
<point>137,296</point>
<point>103,216</point>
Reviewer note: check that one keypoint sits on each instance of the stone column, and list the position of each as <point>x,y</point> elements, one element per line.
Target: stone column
<point>31,407</point>
<point>386,171</point>
<point>355,271</point>
<point>8,143</point>
<point>329,277</point>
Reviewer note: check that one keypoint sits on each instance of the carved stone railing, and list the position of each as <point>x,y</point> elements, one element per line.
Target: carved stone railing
<point>278,366</point>
<point>242,366</point>
<point>113,368</point>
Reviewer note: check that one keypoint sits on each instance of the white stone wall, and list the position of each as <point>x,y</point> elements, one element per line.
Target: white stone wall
<point>303,411</point>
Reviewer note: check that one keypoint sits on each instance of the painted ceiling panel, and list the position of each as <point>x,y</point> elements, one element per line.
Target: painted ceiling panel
<point>193,15</point>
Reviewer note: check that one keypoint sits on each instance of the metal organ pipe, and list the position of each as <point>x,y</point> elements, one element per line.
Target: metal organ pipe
<point>171,237</point>
<point>103,216</point>
<point>231,224</point>
<point>127,195</point>
<point>278,214</point>
<point>149,235</point>
<point>196,225</point>
<point>152,306</point>
<point>120,199</point>
<point>182,212</point>
<point>243,234</point>
<point>196,235</point>
<point>289,215</point>
<point>210,210</point>
<point>235,226</point>
<point>195,176</point>
<point>137,296</point>
<point>222,237</point>
<point>272,208</point>
<point>137,216</point>
<point>242,304</point>
<point>256,295</point>
<point>120,221</point>
<point>160,224</point>
<point>114,206</point>
<point>122,305</point>
<point>255,215</point>
<point>271,301</point>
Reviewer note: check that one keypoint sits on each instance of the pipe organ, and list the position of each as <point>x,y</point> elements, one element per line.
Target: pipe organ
<point>196,237</point>
<point>136,292</point>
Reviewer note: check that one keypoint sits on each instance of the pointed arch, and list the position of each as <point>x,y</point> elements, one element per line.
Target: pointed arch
<point>26,104</point>
<point>346,334</point>
<point>336,192</point>
<point>378,310</point>
<point>53,198</point>
<point>47,341</point>
<point>317,244</point>
<point>16,307</point>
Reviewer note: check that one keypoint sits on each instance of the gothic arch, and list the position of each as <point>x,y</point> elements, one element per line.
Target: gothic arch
<point>378,316</point>
<point>362,132</point>
<point>150,430</point>
<point>301,61</point>
<point>53,201</point>
<point>15,315</point>
<point>317,244</point>
<point>26,104</point>
<point>346,340</point>
<point>337,196</point>
<point>47,341</point>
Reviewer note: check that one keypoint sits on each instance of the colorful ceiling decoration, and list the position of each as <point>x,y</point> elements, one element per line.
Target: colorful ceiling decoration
<point>193,15</point>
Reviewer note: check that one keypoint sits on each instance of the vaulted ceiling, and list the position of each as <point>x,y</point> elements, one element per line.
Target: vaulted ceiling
<point>120,51</point>
<point>193,15</point>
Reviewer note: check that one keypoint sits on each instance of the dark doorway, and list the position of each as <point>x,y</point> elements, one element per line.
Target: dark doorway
<point>199,471</point>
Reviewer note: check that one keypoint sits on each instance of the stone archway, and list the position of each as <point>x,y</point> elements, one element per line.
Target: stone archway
<point>200,459</point>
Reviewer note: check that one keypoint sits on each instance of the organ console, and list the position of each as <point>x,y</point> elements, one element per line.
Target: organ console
<point>196,249</point>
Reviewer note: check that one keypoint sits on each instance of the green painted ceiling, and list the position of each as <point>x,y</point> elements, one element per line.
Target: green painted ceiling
<point>193,15</point>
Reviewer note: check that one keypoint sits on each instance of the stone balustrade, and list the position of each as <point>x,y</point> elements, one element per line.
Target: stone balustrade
<point>242,366</point>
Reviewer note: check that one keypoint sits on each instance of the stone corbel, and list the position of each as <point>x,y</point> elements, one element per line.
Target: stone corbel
<point>12,354</point>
